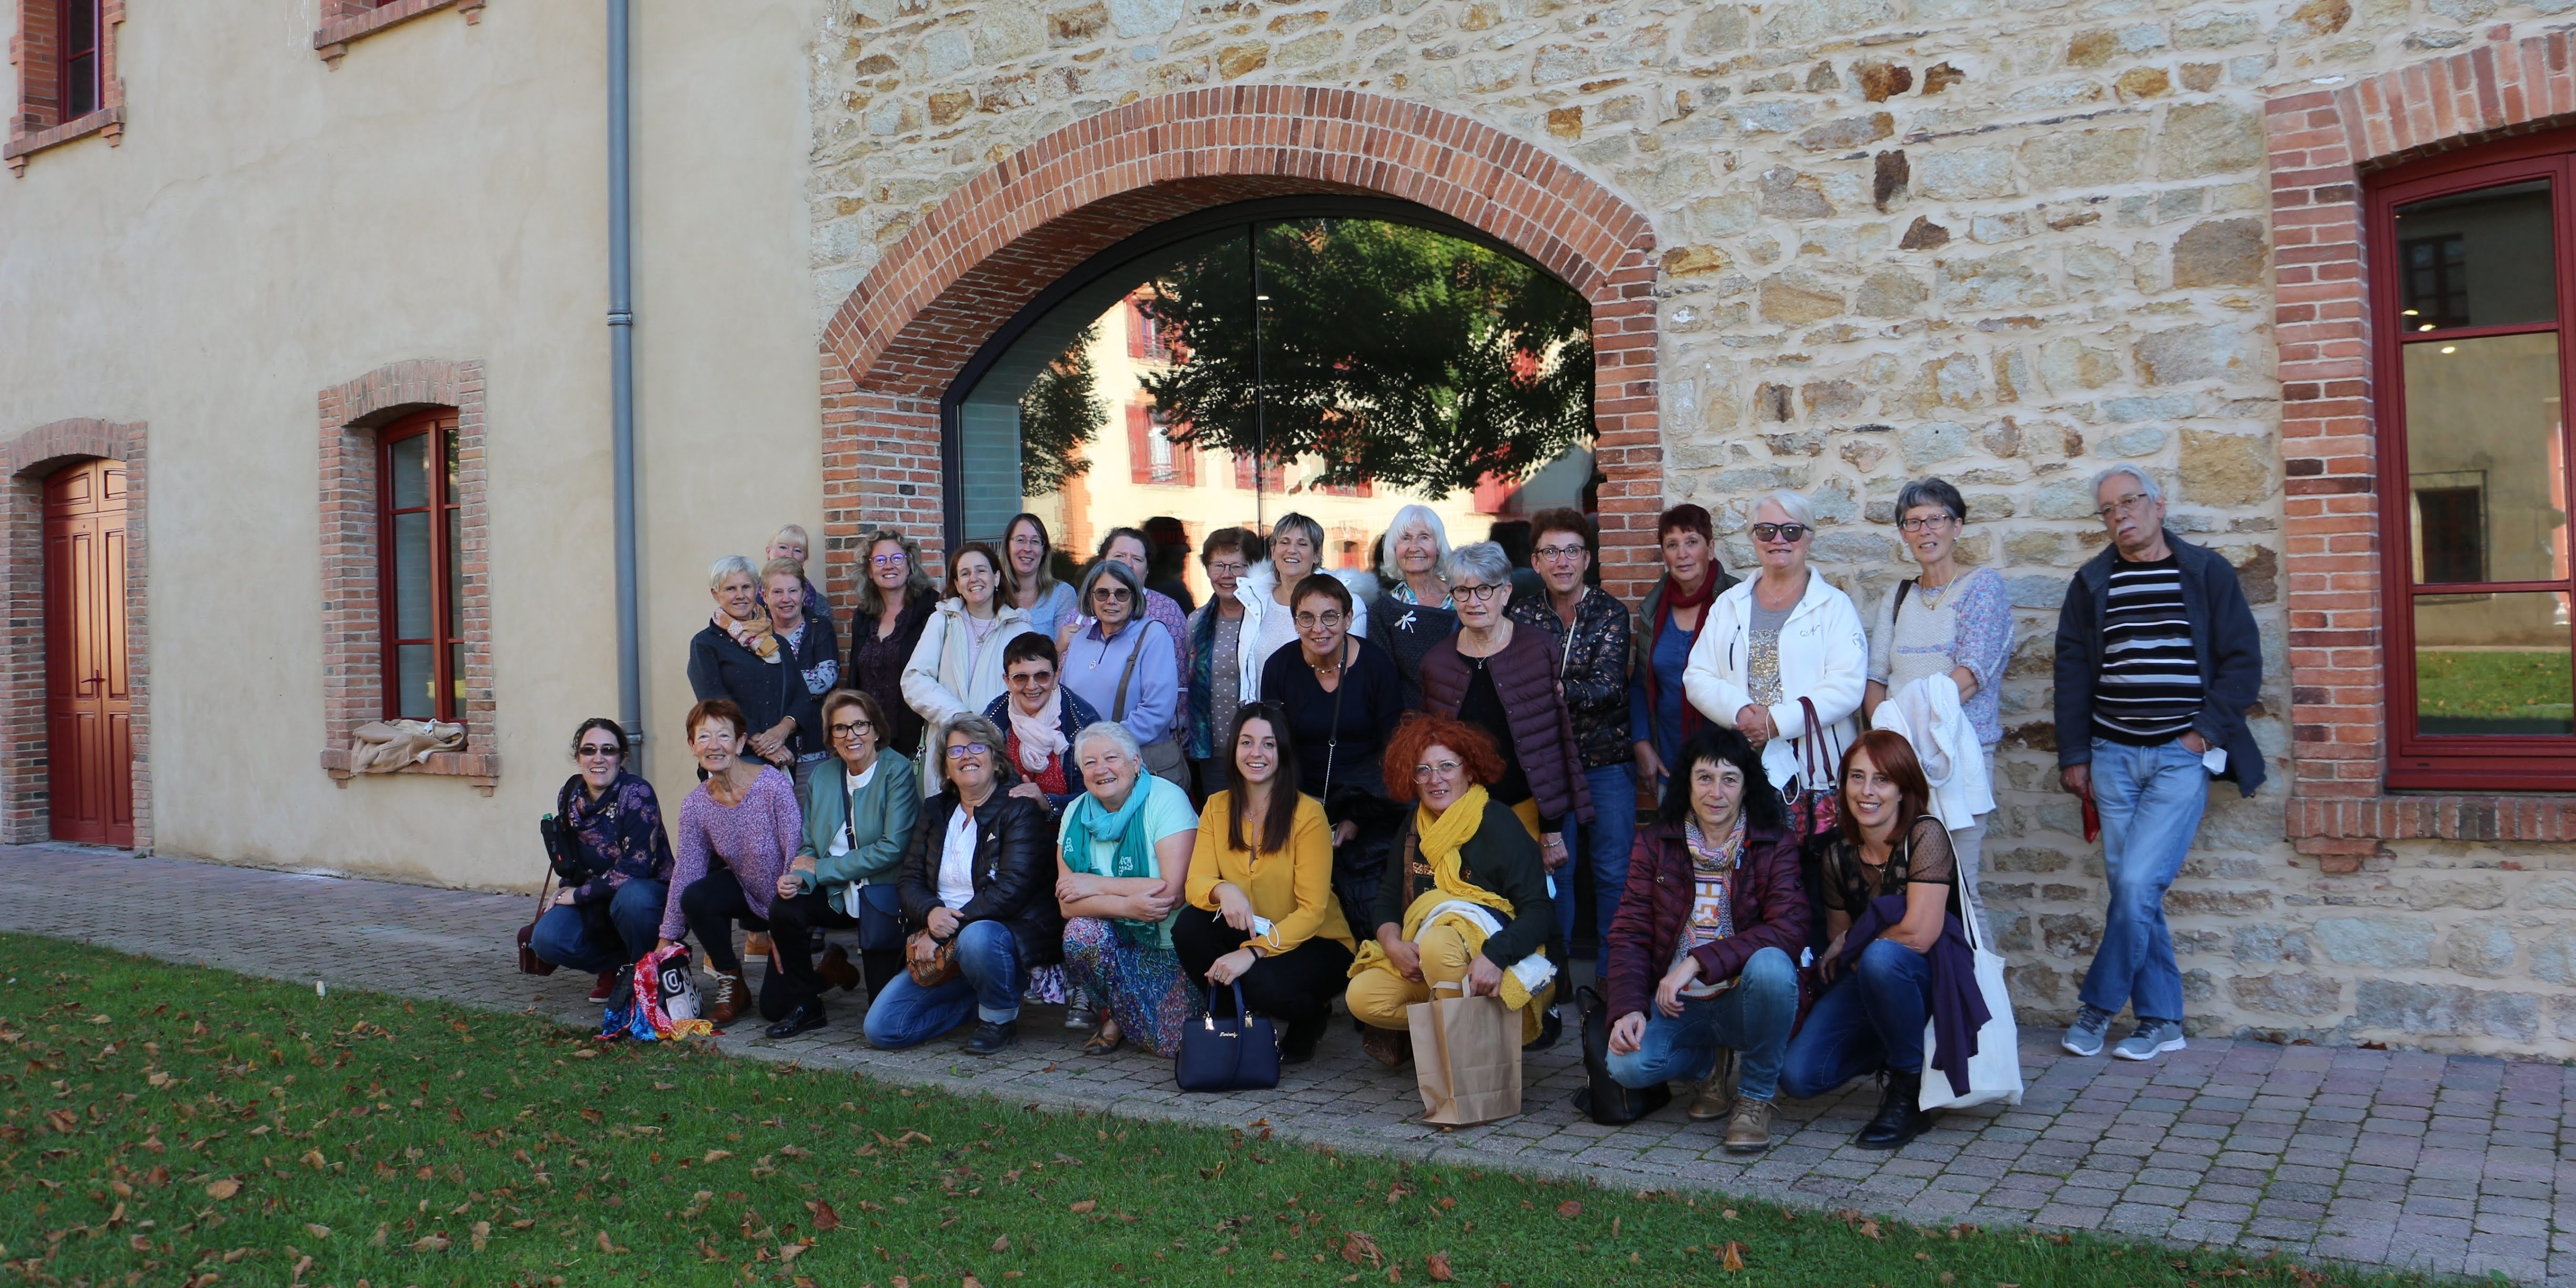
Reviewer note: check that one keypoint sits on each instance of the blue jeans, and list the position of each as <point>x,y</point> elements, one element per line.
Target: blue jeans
<point>562,937</point>
<point>1869,1018</point>
<point>1753,1017</point>
<point>1604,846</point>
<point>988,983</point>
<point>2150,799</point>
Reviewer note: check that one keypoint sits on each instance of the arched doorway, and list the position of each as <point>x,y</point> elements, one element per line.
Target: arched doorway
<point>899,343</point>
<point>89,697</point>
<point>1339,357</point>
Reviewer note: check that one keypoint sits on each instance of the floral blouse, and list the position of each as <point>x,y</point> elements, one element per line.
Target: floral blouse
<point>620,834</point>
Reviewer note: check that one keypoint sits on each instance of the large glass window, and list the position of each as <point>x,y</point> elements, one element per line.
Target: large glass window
<point>2472,298</point>
<point>1260,361</point>
<point>419,536</point>
<point>80,58</point>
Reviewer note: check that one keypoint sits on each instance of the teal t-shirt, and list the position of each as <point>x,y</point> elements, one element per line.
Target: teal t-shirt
<point>1167,811</point>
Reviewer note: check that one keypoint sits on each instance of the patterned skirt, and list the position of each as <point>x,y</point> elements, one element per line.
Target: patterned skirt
<point>1144,989</point>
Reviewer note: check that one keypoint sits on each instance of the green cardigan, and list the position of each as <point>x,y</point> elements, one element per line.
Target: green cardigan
<point>886,811</point>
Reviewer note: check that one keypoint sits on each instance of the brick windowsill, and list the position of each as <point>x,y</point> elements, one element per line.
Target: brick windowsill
<point>108,121</point>
<point>2340,832</point>
<point>480,769</point>
<point>334,39</point>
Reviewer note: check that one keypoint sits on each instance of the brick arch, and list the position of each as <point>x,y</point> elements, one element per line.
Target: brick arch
<point>25,460</point>
<point>2323,142</point>
<point>991,246</point>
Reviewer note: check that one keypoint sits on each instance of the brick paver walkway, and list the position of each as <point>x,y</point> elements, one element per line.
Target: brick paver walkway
<point>2449,1164</point>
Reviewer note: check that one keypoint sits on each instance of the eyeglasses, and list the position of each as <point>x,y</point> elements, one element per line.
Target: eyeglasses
<point>1440,769</point>
<point>1319,621</point>
<point>1475,594</point>
<point>598,749</point>
<point>961,751</point>
<point>1793,533</point>
<point>1111,595</point>
<point>1551,554</point>
<point>889,561</point>
<point>2133,504</point>
<point>1031,679</point>
<point>852,729</point>
<point>1926,524</point>
<point>1229,568</point>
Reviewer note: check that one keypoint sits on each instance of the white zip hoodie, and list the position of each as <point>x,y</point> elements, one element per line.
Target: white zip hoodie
<point>1253,590</point>
<point>1824,657</point>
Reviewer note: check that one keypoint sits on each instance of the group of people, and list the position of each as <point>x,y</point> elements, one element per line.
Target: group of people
<point>1089,794</point>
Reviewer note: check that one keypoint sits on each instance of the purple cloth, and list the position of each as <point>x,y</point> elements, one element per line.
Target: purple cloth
<point>620,834</point>
<point>755,840</point>
<point>1958,1009</point>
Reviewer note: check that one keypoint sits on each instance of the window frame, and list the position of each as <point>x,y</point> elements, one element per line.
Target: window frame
<point>95,80</point>
<point>2459,762</point>
<point>446,639</point>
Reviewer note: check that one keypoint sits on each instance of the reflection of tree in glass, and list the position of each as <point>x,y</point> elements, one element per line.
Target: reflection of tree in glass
<point>1392,354</point>
<point>1060,412</point>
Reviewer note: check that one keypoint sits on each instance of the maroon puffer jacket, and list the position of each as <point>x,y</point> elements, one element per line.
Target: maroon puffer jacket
<point>1542,732</point>
<point>1770,912</point>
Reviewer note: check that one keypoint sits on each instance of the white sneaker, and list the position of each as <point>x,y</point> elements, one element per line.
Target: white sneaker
<point>2150,1039</point>
<point>2084,1036</point>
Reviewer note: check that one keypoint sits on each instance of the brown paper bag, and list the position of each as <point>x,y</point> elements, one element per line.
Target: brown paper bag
<point>1467,1058</point>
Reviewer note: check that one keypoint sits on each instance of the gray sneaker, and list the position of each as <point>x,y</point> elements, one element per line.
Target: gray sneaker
<point>2150,1039</point>
<point>2084,1037</point>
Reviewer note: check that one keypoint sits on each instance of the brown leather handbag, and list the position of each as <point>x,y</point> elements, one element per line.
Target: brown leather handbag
<point>529,963</point>
<point>942,966</point>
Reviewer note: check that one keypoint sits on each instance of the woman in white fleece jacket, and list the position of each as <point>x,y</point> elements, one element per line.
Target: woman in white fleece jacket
<point>1782,635</point>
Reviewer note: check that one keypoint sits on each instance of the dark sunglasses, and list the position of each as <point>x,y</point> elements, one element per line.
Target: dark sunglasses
<point>599,749</point>
<point>1792,533</point>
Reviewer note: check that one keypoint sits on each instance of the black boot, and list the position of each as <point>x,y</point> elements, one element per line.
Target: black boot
<point>1297,1043</point>
<point>807,1014</point>
<point>1898,1120</point>
<point>992,1038</point>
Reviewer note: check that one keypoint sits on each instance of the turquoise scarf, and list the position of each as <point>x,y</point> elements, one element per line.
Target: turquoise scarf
<point>1088,821</point>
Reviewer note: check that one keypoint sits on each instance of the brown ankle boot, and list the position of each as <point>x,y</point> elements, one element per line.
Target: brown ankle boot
<point>733,997</point>
<point>1386,1046</point>
<point>836,970</point>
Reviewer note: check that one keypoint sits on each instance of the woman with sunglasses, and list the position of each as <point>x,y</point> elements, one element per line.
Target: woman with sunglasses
<point>858,822</point>
<point>1778,644</point>
<point>611,824</point>
<point>1122,664</point>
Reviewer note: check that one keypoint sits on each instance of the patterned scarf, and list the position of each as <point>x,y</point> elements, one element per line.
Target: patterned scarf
<point>752,633</point>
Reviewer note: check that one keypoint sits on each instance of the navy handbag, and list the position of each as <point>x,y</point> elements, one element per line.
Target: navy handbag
<point>1239,1053</point>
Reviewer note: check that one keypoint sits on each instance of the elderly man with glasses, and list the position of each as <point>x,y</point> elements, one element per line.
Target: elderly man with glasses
<point>2157,660</point>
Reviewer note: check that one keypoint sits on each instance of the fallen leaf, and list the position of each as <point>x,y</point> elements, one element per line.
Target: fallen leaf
<point>606,1246</point>
<point>789,1252</point>
<point>430,1243</point>
<point>825,1219</point>
<point>972,1282</point>
<point>317,1231</point>
<point>1002,1244</point>
<point>1734,1255</point>
<point>222,1187</point>
<point>1357,1246</point>
<point>1084,1206</point>
<point>717,1156</point>
<point>1439,1268</point>
<point>482,1234</point>
<point>791,1151</point>
<point>1868,1228</point>
<point>1569,1208</point>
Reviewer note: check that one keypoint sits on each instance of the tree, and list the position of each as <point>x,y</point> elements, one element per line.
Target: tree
<point>1389,353</point>
<point>1058,415</point>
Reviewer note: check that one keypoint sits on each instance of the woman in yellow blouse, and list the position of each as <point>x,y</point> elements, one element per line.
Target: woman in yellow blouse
<point>1261,907</point>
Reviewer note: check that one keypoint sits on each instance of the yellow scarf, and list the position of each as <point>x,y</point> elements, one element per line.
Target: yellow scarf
<point>1439,840</point>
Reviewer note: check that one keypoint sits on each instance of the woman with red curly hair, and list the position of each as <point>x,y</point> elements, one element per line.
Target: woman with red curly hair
<point>1468,904</point>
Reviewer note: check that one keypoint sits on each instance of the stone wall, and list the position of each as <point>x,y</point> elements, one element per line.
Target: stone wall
<point>2006,241</point>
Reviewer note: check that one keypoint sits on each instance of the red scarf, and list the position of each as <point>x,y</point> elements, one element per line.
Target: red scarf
<point>1674,598</point>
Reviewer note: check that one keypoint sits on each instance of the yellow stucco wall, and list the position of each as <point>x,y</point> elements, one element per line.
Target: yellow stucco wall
<point>270,226</point>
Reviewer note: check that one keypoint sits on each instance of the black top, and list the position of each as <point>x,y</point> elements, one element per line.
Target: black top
<point>1922,855</point>
<point>1483,708</point>
<point>767,691</point>
<point>876,667</point>
<point>1500,857</point>
<point>1369,704</point>
<point>1407,631</point>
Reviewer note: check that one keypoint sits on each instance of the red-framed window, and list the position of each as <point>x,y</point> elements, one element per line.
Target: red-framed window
<point>420,569</point>
<point>2473,263</point>
<point>82,26</point>
<point>1152,456</point>
<point>1145,335</point>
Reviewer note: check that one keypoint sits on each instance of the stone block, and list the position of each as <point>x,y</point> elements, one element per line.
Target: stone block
<point>2268,942</point>
<point>2186,354</point>
<point>2156,407</point>
<point>2222,252</point>
<point>1798,302</point>
<point>1716,29</point>
<point>2223,903</point>
<point>1787,194</point>
<point>2071,934</point>
<point>2225,469</point>
<point>1007,31</point>
<point>1964,174</point>
<point>2209,138</point>
<point>1849,132</point>
<point>1805,22</point>
<point>2471,892</point>
<point>2084,158</point>
<point>2553,954</point>
<point>2383,941</point>
<point>2135,442</point>
<point>2006,281</point>
<point>2480,949</point>
<point>1831,399</point>
<point>2070,364</point>
<point>1931,442</point>
<point>2064,499</point>
<point>2217,29</point>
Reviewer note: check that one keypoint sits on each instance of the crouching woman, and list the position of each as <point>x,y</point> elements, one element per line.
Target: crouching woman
<point>1699,955</point>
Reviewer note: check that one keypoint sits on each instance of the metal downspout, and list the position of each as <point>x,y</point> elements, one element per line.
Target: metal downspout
<point>621,379</point>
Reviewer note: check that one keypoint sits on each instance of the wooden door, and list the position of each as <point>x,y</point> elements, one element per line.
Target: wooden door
<point>88,705</point>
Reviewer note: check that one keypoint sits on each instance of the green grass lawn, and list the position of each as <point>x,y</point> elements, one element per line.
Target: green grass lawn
<point>2494,690</point>
<point>173,1125</point>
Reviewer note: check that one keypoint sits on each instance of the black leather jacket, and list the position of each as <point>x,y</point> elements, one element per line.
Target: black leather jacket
<point>1014,870</point>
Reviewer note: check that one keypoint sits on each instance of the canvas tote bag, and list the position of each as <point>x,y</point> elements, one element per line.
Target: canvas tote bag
<point>1466,1056</point>
<point>1994,1070</point>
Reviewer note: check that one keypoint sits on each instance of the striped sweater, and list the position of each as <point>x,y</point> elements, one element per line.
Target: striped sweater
<point>2149,688</point>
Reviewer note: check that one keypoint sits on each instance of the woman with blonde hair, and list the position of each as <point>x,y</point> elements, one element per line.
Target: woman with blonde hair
<point>1779,645</point>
